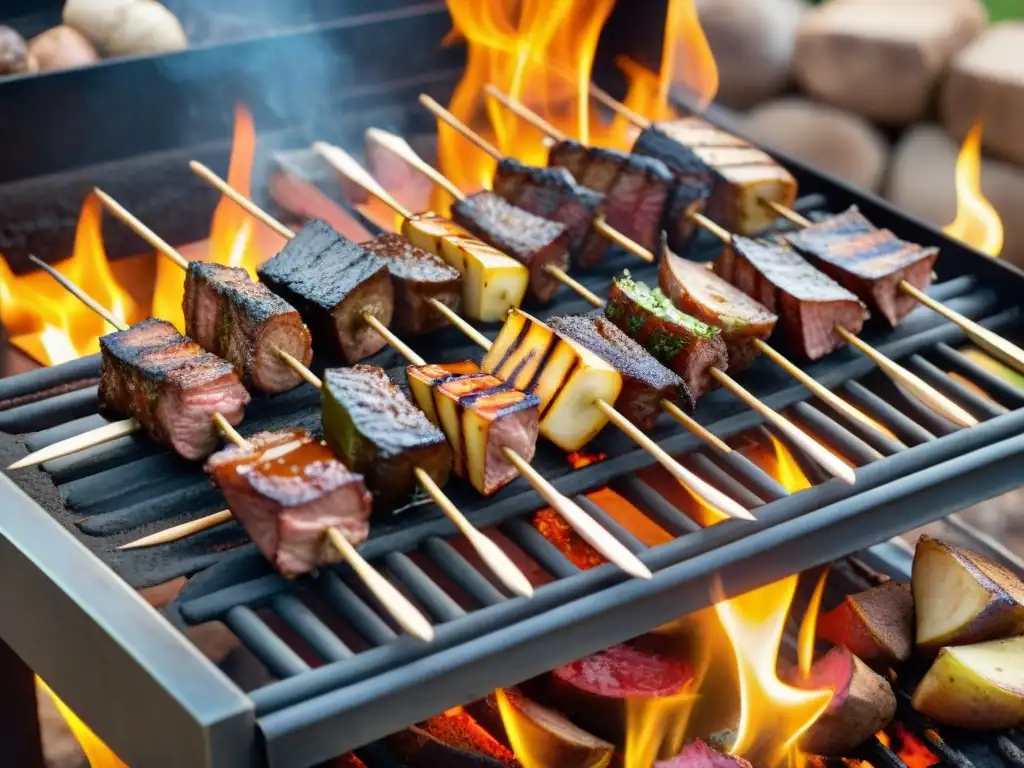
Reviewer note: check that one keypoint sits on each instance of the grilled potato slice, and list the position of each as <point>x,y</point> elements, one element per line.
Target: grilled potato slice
<point>424,378</point>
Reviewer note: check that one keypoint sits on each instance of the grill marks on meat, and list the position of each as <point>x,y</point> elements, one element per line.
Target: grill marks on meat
<point>167,383</point>
<point>531,240</point>
<point>636,188</point>
<point>333,282</point>
<point>417,276</point>
<point>374,428</point>
<point>645,381</point>
<point>700,292</point>
<point>553,194</point>
<point>245,323</point>
<point>287,489</point>
<point>718,173</point>
<point>810,303</point>
<point>688,346</point>
<point>868,261</point>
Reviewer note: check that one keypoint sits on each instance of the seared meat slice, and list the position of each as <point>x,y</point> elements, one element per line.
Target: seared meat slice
<point>167,383</point>
<point>645,381</point>
<point>717,172</point>
<point>810,303</point>
<point>637,188</point>
<point>688,346</point>
<point>552,193</point>
<point>333,282</point>
<point>245,323</point>
<point>700,292</point>
<point>868,261</point>
<point>287,489</point>
<point>532,241</point>
<point>374,428</point>
<point>417,276</point>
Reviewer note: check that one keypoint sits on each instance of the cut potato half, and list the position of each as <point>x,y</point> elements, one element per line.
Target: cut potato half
<point>877,624</point>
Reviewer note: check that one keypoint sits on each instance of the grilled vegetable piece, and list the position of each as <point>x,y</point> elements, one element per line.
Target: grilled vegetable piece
<point>553,194</point>
<point>333,282</point>
<point>423,378</point>
<point>975,686</point>
<point>451,740</point>
<point>877,625</point>
<point>245,323</point>
<point>374,428</point>
<point>287,489</point>
<point>810,303</point>
<point>688,346</point>
<point>870,262</point>
<point>697,754</point>
<point>492,283</point>
<point>567,378</point>
<point>417,276</point>
<point>636,188</point>
<point>645,381</point>
<point>862,703</point>
<point>718,173</point>
<point>703,294</point>
<point>961,597</point>
<point>534,242</point>
<point>167,383</point>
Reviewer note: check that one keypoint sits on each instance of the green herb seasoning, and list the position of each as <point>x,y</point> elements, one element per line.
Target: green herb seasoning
<point>658,304</point>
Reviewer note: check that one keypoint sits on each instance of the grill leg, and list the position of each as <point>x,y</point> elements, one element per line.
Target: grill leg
<point>19,718</point>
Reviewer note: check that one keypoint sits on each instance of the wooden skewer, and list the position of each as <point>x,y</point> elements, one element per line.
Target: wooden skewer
<point>602,96</point>
<point>151,237</point>
<point>181,531</point>
<point>211,178</point>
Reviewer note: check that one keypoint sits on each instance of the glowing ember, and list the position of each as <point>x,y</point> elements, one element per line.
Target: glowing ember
<point>96,752</point>
<point>911,750</point>
<point>977,223</point>
<point>581,459</point>
<point>553,528</point>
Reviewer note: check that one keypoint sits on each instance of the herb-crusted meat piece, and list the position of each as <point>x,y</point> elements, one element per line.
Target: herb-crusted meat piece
<point>333,282</point>
<point>167,383</point>
<point>245,323</point>
<point>374,428</point>
<point>287,489</point>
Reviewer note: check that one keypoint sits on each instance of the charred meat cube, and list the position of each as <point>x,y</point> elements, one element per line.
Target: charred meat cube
<point>374,428</point>
<point>287,489</point>
<point>645,381</point>
<point>700,292</point>
<point>870,262</point>
<point>552,193</point>
<point>717,172</point>
<point>167,383</point>
<point>637,189</point>
<point>532,241</point>
<point>245,323</point>
<point>417,276</point>
<point>810,303</point>
<point>333,282</point>
<point>688,346</point>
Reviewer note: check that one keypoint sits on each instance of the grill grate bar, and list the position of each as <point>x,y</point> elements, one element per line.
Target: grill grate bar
<point>829,431</point>
<point>996,387</point>
<point>461,572</point>
<point>422,588</point>
<point>978,406</point>
<point>306,624</point>
<point>613,526</point>
<point>363,619</point>
<point>274,653</point>
<point>655,506</point>
<point>50,412</point>
<point>713,472</point>
<point>532,541</point>
<point>756,479</point>
<point>904,427</point>
<point>917,411</point>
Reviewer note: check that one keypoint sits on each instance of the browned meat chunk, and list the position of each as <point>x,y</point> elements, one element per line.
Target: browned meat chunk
<point>333,282</point>
<point>870,262</point>
<point>534,242</point>
<point>697,754</point>
<point>288,489</point>
<point>418,276</point>
<point>700,292</point>
<point>167,383</point>
<point>810,303</point>
<point>245,323</point>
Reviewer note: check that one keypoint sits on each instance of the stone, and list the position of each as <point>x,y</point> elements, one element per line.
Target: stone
<point>986,81</point>
<point>753,43</point>
<point>828,139</point>
<point>921,181</point>
<point>883,59</point>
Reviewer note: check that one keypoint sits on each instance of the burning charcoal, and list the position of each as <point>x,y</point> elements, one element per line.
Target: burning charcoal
<point>451,740</point>
<point>245,323</point>
<point>877,624</point>
<point>417,276</point>
<point>862,703</point>
<point>810,303</point>
<point>697,754</point>
<point>531,240</point>
<point>963,598</point>
<point>566,540</point>
<point>348,761</point>
<point>975,686</point>
<point>593,691</point>
<point>170,386</point>
<point>379,433</point>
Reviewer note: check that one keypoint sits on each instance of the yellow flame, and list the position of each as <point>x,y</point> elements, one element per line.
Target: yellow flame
<point>809,626</point>
<point>977,223</point>
<point>96,752</point>
<point>788,470</point>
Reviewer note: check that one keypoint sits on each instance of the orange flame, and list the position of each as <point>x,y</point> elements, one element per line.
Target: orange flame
<point>809,626</point>
<point>96,752</point>
<point>977,223</point>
